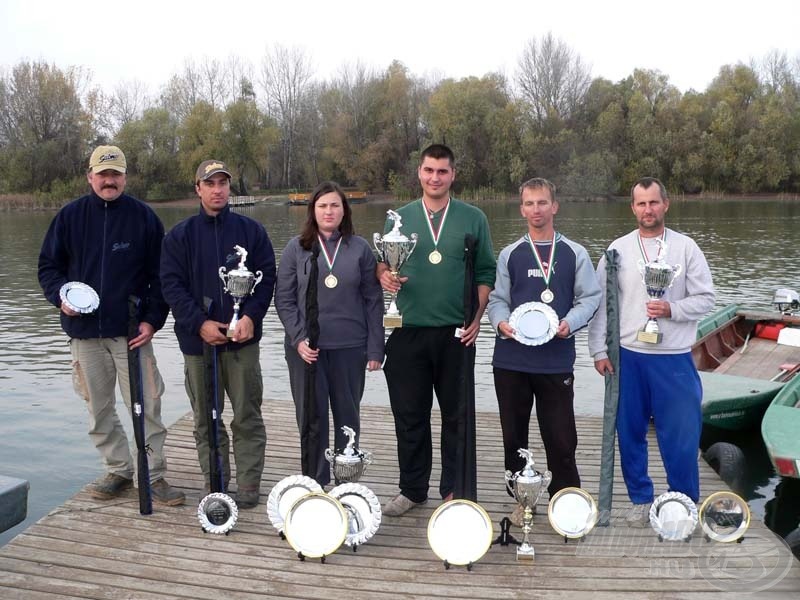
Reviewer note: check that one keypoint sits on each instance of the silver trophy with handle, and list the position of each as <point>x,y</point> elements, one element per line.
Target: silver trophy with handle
<point>527,486</point>
<point>657,277</point>
<point>350,462</point>
<point>394,249</point>
<point>239,283</point>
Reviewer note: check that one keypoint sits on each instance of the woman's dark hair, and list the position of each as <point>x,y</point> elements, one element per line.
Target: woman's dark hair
<point>310,229</point>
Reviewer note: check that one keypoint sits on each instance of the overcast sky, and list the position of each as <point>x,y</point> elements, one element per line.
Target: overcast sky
<point>149,40</point>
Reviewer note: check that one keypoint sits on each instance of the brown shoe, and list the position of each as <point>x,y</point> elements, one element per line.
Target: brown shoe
<point>164,493</point>
<point>109,486</point>
<point>247,497</point>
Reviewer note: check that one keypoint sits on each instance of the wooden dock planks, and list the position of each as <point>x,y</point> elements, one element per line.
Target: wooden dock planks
<point>91,549</point>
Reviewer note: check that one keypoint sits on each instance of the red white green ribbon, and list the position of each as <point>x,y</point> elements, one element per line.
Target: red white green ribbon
<point>642,249</point>
<point>435,234</point>
<point>329,260</point>
<point>546,272</point>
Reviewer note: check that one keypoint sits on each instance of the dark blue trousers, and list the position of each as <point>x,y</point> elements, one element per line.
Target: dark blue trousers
<point>667,388</point>
<point>340,382</point>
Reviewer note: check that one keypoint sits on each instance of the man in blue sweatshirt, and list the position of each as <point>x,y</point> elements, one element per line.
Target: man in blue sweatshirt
<point>193,252</point>
<point>111,242</point>
<point>542,266</point>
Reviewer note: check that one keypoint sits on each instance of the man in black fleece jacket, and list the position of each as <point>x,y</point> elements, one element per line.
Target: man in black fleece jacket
<point>193,252</point>
<point>111,242</point>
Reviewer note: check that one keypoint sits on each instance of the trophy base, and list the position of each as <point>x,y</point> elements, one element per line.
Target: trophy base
<point>232,326</point>
<point>649,337</point>
<point>390,321</point>
<point>525,552</point>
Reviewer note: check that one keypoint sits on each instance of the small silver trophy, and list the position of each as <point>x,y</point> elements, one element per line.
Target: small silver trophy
<point>239,283</point>
<point>527,486</point>
<point>350,463</point>
<point>394,249</point>
<point>657,277</point>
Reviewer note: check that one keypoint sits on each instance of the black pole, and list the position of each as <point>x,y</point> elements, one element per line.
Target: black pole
<point>466,480</point>
<point>137,410</point>
<point>309,425</point>
<point>211,381</point>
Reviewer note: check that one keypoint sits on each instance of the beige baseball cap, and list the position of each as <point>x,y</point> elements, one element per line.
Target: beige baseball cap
<point>107,157</point>
<point>211,167</point>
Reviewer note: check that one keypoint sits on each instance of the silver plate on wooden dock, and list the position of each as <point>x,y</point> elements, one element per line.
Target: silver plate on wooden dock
<point>572,512</point>
<point>316,525</point>
<point>534,323</point>
<point>363,511</point>
<point>724,517</point>
<point>460,532</point>
<point>673,516</point>
<point>217,513</point>
<point>285,493</point>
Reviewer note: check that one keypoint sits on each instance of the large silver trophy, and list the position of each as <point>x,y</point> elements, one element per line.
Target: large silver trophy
<point>657,277</point>
<point>239,283</point>
<point>527,486</point>
<point>394,249</point>
<point>349,463</point>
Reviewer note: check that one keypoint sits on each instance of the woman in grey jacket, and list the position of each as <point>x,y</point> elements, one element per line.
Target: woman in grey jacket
<point>350,302</point>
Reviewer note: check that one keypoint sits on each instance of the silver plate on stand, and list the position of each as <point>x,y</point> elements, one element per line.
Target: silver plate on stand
<point>673,516</point>
<point>217,513</point>
<point>316,525</point>
<point>285,493</point>
<point>572,512</point>
<point>363,511</point>
<point>534,323</point>
<point>460,532</point>
<point>79,297</point>
<point>724,517</point>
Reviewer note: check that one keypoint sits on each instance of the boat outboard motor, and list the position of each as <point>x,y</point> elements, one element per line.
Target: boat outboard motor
<point>786,300</point>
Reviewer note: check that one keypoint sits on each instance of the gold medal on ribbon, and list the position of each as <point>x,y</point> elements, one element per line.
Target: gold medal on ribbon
<point>435,257</point>
<point>331,281</point>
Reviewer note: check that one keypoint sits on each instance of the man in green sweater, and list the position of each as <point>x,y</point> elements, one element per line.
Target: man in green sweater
<point>425,355</point>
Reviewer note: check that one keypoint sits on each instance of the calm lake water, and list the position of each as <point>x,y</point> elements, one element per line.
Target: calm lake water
<point>751,246</point>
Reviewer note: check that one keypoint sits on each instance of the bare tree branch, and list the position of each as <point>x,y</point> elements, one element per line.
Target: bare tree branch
<point>285,76</point>
<point>552,78</point>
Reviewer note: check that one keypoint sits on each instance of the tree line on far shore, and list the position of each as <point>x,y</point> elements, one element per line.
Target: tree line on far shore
<point>280,128</point>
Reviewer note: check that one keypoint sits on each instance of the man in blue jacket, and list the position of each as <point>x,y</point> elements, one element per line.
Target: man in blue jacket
<point>192,254</point>
<point>545,267</point>
<point>111,242</point>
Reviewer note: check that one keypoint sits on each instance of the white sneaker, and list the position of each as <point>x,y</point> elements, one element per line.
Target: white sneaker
<point>638,515</point>
<point>399,505</point>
